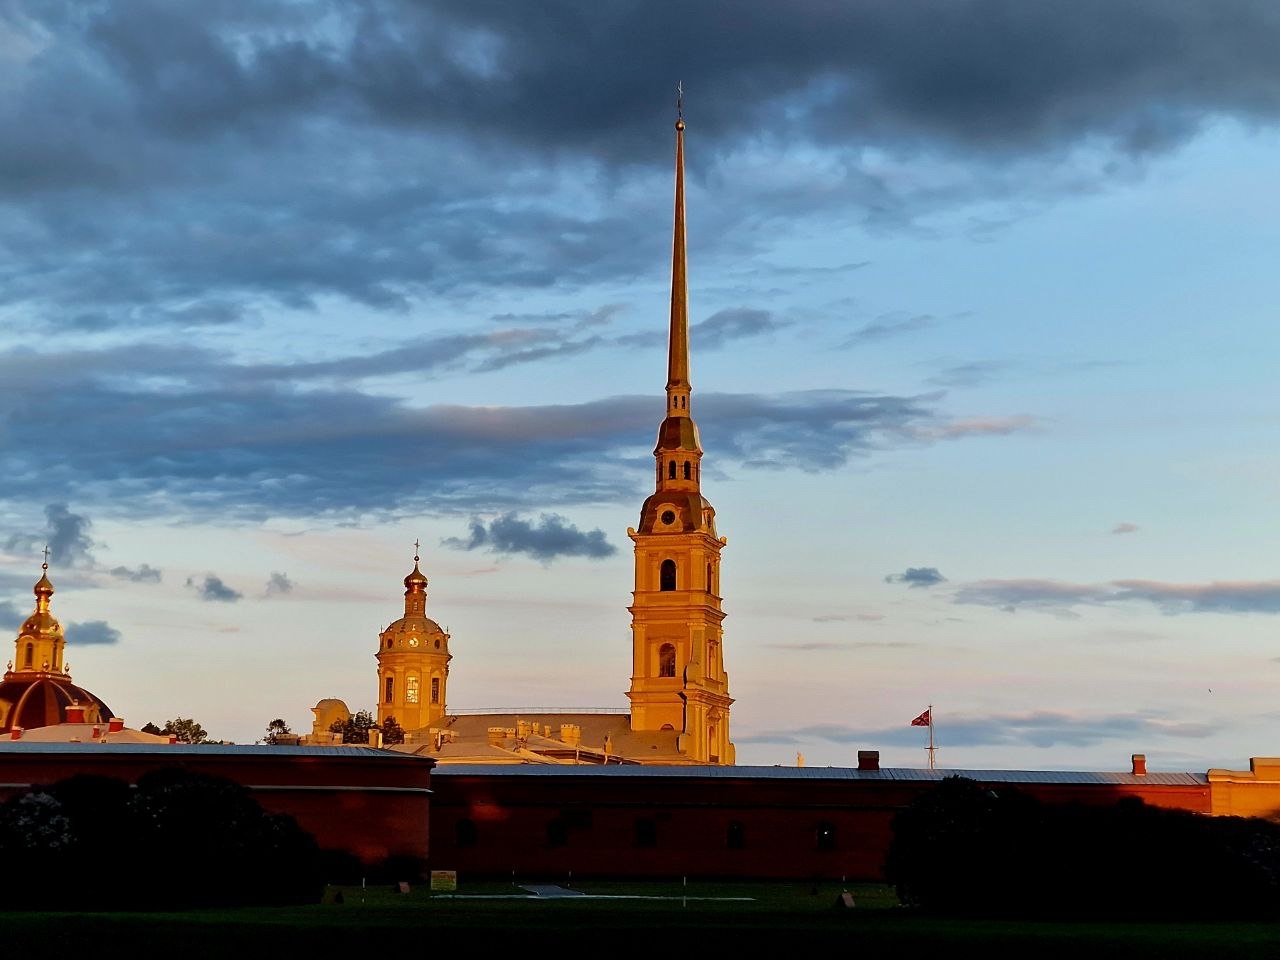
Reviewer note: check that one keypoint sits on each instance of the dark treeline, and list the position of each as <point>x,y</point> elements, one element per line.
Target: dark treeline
<point>176,839</point>
<point>968,849</point>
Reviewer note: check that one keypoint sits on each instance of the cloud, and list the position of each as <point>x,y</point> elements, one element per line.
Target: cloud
<point>283,440</point>
<point>278,583</point>
<point>240,155</point>
<point>212,588</point>
<point>66,535</point>
<point>725,326</point>
<point>891,325</point>
<point>968,374</point>
<point>917,577</point>
<point>145,573</point>
<point>92,633</point>
<point>10,616</point>
<point>976,427</point>
<point>1041,728</point>
<point>552,537</point>
<point>1125,528</point>
<point>1259,596</point>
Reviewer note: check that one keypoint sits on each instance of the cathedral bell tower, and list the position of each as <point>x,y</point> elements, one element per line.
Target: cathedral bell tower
<point>678,680</point>
<point>413,662</point>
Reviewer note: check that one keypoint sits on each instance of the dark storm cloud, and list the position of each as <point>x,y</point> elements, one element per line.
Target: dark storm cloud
<point>150,430</point>
<point>181,164</point>
<point>66,534</point>
<point>917,577</point>
<point>11,616</point>
<point>551,537</point>
<point>92,633</point>
<point>1258,596</point>
<point>212,588</point>
<point>1041,728</point>
<point>145,573</point>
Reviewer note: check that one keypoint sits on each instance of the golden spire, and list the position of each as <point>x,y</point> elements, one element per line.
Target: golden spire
<point>678,386</point>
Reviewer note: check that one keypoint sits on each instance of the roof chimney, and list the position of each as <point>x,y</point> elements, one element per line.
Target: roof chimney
<point>15,733</point>
<point>115,725</point>
<point>75,713</point>
<point>1139,764</point>
<point>868,759</point>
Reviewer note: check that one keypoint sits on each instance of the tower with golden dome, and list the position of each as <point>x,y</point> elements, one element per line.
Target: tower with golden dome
<point>413,661</point>
<point>678,677</point>
<point>37,689</point>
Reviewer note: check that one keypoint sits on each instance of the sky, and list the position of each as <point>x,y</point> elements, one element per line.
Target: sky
<point>983,354</point>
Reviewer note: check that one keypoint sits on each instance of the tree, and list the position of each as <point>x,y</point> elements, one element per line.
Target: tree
<point>356,729</point>
<point>276,729</point>
<point>175,839</point>
<point>151,728</point>
<point>185,730</point>
<point>392,732</point>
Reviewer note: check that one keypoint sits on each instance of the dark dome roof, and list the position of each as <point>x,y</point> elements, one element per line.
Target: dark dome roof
<point>41,700</point>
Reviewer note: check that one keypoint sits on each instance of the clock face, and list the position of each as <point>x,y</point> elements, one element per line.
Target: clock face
<point>413,641</point>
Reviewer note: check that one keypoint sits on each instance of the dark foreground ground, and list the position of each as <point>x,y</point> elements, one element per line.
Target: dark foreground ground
<point>612,920</point>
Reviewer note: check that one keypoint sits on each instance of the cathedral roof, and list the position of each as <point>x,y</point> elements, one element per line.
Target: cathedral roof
<point>30,700</point>
<point>413,624</point>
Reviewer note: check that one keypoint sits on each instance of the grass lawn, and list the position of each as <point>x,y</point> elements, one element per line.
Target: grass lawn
<point>628,919</point>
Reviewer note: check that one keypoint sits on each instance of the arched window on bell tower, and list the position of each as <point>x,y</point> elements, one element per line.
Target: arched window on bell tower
<point>667,660</point>
<point>667,576</point>
<point>29,656</point>
<point>389,689</point>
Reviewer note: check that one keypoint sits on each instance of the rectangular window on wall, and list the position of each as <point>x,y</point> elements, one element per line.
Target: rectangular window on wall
<point>411,690</point>
<point>390,689</point>
<point>435,689</point>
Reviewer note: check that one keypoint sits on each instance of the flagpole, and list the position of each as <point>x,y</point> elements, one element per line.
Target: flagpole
<point>931,746</point>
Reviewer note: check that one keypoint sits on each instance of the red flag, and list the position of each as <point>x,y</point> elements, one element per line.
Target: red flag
<point>924,720</point>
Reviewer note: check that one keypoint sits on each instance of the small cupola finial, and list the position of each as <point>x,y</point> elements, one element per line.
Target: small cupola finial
<point>44,586</point>
<point>415,582</point>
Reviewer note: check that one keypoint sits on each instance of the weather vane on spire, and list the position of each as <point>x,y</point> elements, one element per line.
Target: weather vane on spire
<point>679,99</point>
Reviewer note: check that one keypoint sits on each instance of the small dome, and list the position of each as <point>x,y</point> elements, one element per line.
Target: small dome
<point>416,579</point>
<point>44,586</point>
<point>41,624</point>
<point>422,626</point>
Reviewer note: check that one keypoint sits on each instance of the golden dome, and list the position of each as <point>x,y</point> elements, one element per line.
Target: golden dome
<point>416,580</point>
<point>44,586</point>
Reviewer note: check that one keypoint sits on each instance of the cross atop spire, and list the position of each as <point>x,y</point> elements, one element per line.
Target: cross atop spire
<point>45,565</point>
<point>416,545</point>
